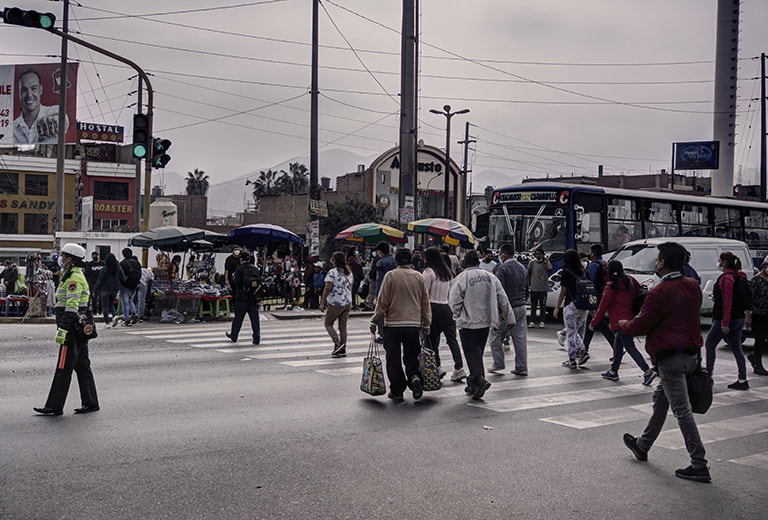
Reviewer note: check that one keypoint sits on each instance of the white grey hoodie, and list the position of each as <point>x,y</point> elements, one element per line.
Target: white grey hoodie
<point>477,299</point>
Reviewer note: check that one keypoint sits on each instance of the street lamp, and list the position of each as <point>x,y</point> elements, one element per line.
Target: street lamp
<point>448,115</point>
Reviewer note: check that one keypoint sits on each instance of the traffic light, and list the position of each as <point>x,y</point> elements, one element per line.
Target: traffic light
<point>141,139</point>
<point>16,16</point>
<point>159,156</point>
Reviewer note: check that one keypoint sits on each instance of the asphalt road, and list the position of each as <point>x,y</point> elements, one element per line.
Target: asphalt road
<point>192,426</point>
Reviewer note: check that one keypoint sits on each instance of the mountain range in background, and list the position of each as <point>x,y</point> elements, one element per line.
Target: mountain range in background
<point>230,197</point>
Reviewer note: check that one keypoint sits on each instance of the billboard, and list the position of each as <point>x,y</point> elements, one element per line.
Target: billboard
<point>29,104</point>
<point>700,155</point>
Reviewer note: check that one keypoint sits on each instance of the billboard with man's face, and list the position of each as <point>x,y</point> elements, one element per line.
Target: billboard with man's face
<point>29,104</point>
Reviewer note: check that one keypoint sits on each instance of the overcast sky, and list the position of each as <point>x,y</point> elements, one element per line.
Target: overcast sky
<point>232,78</point>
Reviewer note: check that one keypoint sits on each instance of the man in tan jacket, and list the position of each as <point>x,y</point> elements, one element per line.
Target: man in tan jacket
<point>403,304</point>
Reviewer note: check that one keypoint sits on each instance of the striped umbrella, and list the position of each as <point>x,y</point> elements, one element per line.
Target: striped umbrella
<point>450,231</point>
<point>371,232</point>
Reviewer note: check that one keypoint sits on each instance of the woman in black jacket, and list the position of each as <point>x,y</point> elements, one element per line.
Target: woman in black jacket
<point>108,284</point>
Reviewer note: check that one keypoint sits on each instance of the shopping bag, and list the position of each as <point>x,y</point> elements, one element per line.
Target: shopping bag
<point>430,378</point>
<point>700,390</point>
<point>373,371</point>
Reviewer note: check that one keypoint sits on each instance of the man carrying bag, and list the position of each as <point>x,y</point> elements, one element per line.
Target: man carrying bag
<point>669,318</point>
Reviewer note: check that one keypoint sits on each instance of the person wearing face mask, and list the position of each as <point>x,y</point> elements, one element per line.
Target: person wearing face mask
<point>538,280</point>
<point>670,320</point>
<point>72,298</point>
<point>230,264</point>
<point>728,317</point>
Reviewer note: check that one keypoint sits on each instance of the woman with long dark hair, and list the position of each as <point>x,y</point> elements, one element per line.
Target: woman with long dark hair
<point>108,284</point>
<point>618,295</point>
<point>574,319</point>
<point>438,276</point>
<point>337,299</point>
<point>728,317</point>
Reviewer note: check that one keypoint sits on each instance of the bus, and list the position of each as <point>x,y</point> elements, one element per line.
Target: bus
<point>557,217</point>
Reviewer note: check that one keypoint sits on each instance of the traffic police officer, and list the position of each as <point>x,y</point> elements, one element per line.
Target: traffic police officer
<point>71,300</point>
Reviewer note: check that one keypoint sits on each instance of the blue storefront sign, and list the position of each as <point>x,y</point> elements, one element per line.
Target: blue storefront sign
<point>701,155</point>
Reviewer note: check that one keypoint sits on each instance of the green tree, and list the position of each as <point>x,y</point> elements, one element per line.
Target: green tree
<point>265,184</point>
<point>341,215</point>
<point>197,183</point>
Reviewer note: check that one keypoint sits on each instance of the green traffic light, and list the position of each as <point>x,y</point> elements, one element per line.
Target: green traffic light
<point>139,150</point>
<point>46,21</point>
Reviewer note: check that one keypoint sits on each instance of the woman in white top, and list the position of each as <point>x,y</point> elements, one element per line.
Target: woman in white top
<point>337,302</point>
<point>438,276</point>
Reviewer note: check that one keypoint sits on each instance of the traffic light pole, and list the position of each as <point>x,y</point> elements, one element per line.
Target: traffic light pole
<point>150,105</point>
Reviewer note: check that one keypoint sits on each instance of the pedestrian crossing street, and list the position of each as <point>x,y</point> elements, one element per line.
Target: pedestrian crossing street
<point>305,344</point>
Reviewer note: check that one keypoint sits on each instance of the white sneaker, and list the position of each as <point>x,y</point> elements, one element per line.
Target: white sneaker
<point>495,370</point>
<point>459,374</point>
<point>531,325</point>
<point>542,326</point>
<point>561,337</point>
<point>107,325</point>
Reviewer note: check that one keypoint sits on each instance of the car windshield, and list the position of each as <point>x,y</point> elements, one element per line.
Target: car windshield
<point>637,259</point>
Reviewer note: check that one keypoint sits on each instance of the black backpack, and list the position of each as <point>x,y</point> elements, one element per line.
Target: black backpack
<point>586,294</point>
<point>252,285</point>
<point>742,296</point>
<point>639,299</point>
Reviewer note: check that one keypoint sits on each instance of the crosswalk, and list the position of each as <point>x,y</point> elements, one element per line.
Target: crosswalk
<point>304,344</point>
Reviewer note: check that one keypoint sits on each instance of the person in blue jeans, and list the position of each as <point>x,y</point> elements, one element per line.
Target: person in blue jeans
<point>246,286</point>
<point>618,295</point>
<point>728,317</point>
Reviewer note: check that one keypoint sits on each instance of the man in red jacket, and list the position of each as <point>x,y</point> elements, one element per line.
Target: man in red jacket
<point>670,320</point>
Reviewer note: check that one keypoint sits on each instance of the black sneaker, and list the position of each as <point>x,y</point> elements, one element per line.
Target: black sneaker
<point>339,350</point>
<point>227,334</point>
<point>481,389</point>
<point>631,443</point>
<point>395,397</point>
<point>583,357</point>
<point>134,319</point>
<point>752,360</point>
<point>739,385</point>
<point>690,473</point>
<point>416,388</point>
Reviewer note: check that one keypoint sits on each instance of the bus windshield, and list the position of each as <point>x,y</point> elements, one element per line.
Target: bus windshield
<point>638,259</point>
<point>528,227</point>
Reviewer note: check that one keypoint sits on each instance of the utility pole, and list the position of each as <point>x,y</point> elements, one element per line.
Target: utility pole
<point>448,115</point>
<point>763,131</point>
<point>137,190</point>
<point>408,181</point>
<point>467,195</point>
<point>313,138</point>
<point>58,221</point>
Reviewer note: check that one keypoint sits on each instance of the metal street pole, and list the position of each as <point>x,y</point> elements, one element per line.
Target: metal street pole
<point>448,115</point>
<point>467,195</point>
<point>763,131</point>
<point>58,220</point>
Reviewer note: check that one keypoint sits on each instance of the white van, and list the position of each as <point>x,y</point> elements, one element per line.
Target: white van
<point>639,260</point>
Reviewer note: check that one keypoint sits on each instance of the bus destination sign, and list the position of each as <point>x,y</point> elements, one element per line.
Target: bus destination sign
<point>559,197</point>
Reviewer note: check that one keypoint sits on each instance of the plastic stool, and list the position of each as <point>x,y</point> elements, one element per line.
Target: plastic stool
<point>222,305</point>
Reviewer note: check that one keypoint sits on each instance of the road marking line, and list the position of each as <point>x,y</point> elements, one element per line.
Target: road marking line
<point>717,431</point>
<point>758,460</point>
<point>543,401</point>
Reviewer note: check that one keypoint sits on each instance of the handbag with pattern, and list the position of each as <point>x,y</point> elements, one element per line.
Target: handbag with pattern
<point>373,371</point>
<point>430,378</point>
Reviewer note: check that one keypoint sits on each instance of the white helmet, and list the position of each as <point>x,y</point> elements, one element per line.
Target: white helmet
<point>74,250</point>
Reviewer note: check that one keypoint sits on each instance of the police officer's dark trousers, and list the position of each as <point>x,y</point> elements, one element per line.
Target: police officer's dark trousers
<point>73,355</point>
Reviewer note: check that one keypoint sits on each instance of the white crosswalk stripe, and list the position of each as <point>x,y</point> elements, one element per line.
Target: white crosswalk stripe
<point>305,344</point>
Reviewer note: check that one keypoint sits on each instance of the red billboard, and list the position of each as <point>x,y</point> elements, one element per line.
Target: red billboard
<point>29,104</point>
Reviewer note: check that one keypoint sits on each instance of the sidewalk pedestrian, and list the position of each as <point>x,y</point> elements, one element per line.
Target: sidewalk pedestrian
<point>437,277</point>
<point>574,319</point>
<point>337,302</point>
<point>728,317</point>
<point>538,280</point>
<point>478,302</point>
<point>132,269</point>
<point>618,295</point>
<point>671,322</point>
<point>403,306</point>
<point>355,263</point>
<point>514,279</point>
<point>145,282</point>
<point>92,271</point>
<point>72,298</point>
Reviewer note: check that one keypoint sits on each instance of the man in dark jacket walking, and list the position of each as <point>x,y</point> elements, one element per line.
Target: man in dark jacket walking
<point>132,269</point>
<point>92,271</point>
<point>670,321</point>
<point>246,285</point>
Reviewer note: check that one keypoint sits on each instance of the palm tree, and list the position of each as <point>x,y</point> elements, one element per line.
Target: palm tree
<point>265,184</point>
<point>197,183</point>
<point>299,175</point>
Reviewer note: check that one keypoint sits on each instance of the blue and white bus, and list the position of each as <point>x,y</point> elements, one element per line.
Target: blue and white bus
<point>558,216</point>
